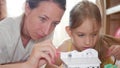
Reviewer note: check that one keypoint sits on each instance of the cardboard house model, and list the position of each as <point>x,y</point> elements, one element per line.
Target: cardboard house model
<point>85,59</point>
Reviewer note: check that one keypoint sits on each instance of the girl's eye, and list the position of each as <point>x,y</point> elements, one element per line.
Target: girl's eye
<point>81,35</point>
<point>94,35</point>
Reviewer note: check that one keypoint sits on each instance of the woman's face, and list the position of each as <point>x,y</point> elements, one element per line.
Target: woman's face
<point>41,21</point>
<point>85,36</point>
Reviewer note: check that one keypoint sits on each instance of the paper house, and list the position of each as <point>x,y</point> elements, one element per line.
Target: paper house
<point>85,59</point>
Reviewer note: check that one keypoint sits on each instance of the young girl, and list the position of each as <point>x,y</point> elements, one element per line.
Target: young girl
<point>84,31</point>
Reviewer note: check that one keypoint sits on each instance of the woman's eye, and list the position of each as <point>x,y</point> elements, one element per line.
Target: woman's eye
<point>42,19</point>
<point>54,24</point>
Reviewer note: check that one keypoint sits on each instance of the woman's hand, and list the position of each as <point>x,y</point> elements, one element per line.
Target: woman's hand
<point>114,50</point>
<point>42,53</point>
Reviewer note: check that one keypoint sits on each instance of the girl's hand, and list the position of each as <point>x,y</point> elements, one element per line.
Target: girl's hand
<point>42,53</point>
<point>114,50</point>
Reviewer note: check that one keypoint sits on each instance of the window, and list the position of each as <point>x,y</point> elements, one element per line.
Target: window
<point>15,7</point>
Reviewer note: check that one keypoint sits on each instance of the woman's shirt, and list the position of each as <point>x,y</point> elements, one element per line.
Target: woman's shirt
<point>11,46</point>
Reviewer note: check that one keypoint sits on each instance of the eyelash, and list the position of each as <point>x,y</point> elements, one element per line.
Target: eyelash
<point>94,34</point>
<point>54,24</point>
<point>42,19</point>
<point>81,35</point>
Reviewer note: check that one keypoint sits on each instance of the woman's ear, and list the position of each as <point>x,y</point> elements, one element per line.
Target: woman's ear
<point>27,9</point>
<point>68,30</point>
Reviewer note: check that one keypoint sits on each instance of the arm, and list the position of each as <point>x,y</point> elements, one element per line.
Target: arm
<point>114,46</point>
<point>62,48</point>
<point>41,54</point>
<point>114,50</point>
<point>16,65</point>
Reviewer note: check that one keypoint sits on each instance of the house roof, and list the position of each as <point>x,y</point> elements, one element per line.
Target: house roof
<point>88,56</point>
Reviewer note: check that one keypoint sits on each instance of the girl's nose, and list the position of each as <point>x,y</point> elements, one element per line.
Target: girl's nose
<point>87,41</point>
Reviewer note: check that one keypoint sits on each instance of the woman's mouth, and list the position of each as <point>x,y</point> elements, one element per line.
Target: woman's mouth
<point>40,36</point>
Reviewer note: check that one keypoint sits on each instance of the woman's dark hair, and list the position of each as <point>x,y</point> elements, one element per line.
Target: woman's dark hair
<point>34,3</point>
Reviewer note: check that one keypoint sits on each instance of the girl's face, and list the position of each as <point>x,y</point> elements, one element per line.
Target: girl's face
<point>85,36</point>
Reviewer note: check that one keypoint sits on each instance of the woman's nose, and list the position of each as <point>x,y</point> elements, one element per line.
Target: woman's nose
<point>47,29</point>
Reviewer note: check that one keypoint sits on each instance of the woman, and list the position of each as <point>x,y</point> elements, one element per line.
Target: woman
<point>19,36</point>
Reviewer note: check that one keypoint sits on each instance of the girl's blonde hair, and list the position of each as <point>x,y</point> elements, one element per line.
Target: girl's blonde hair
<point>82,11</point>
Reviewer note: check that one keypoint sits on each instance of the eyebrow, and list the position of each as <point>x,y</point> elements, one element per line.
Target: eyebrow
<point>79,32</point>
<point>44,16</point>
<point>95,31</point>
<point>48,17</point>
<point>91,32</point>
<point>57,21</point>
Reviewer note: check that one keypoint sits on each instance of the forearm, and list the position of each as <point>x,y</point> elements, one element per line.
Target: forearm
<point>16,65</point>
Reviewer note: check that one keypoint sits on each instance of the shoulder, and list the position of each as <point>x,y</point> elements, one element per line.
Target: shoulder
<point>10,27</point>
<point>7,22</point>
<point>6,30</point>
<point>65,45</point>
<point>11,22</point>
